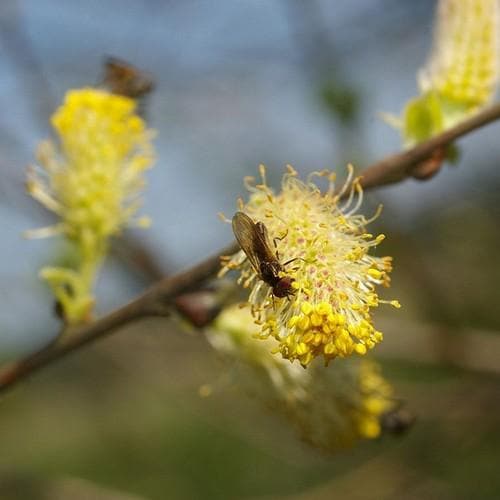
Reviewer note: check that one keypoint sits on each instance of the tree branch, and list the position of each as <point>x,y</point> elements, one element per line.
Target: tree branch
<point>397,167</point>
<point>160,296</point>
<point>153,302</point>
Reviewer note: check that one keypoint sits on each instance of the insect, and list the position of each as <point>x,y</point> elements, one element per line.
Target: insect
<point>398,420</point>
<point>253,239</point>
<point>124,79</point>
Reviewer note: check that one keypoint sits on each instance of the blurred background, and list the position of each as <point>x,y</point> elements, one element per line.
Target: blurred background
<point>240,83</point>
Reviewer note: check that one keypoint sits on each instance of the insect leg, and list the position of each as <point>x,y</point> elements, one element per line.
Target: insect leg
<point>279,238</point>
<point>293,260</point>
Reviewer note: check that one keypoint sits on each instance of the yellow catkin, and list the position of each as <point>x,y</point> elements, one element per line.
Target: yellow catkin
<point>92,179</point>
<point>332,408</point>
<point>334,277</point>
<point>463,64</point>
<point>461,73</point>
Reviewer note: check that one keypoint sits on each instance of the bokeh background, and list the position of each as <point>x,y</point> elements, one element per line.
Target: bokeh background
<point>238,83</point>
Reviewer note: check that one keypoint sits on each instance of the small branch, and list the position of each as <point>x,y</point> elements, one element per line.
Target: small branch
<point>399,166</point>
<point>152,302</point>
<point>158,299</point>
<point>137,256</point>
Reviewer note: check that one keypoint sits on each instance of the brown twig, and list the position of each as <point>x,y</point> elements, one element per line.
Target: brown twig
<point>155,301</point>
<point>399,166</point>
<point>158,298</point>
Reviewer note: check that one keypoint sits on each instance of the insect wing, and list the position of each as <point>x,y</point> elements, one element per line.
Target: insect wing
<point>124,79</point>
<point>252,240</point>
<point>263,247</point>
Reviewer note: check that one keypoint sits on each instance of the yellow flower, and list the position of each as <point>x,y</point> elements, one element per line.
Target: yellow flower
<point>331,407</point>
<point>333,276</point>
<point>461,74</point>
<point>463,64</point>
<point>92,181</point>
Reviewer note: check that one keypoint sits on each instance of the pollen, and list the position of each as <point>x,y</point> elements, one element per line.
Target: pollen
<point>461,74</point>
<point>335,278</point>
<point>95,174</point>
<point>92,180</point>
<point>331,408</point>
<point>463,65</point>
